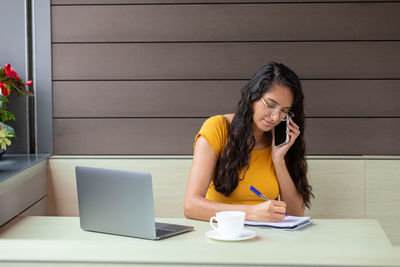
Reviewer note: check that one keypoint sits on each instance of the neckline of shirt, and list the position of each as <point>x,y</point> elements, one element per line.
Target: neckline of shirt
<point>262,149</point>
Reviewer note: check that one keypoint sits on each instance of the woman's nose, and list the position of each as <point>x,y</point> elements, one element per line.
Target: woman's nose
<point>274,116</point>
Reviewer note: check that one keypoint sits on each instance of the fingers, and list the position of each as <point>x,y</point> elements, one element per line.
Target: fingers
<point>277,210</point>
<point>269,211</point>
<point>292,123</point>
<point>278,206</point>
<point>278,203</point>
<point>293,131</point>
<point>293,127</point>
<point>281,210</point>
<point>277,217</point>
<point>293,136</point>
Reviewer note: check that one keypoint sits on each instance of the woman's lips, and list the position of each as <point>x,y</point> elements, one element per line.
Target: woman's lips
<point>269,124</point>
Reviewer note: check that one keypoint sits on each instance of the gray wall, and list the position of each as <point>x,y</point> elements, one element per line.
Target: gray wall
<point>140,76</point>
<point>26,45</point>
<point>13,50</point>
<point>42,75</point>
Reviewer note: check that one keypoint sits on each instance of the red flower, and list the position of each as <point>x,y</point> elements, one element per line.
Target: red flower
<point>4,89</point>
<point>29,83</point>
<point>9,70</point>
<point>10,73</point>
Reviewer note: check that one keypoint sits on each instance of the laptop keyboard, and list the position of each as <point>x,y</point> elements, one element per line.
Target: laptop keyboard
<point>161,232</point>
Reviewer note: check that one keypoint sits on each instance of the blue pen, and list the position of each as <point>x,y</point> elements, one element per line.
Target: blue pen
<point>258,193</point>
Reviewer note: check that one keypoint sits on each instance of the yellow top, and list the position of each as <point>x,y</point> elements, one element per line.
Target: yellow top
<point>260,174</point>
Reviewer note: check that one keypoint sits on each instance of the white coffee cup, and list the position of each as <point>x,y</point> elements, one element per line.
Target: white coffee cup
<point>230,223</point>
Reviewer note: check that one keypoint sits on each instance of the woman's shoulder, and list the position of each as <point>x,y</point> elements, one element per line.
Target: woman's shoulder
<point>219,121</point>
<point>228,117</point>
<point>215,131</point>
<point>216,127</point>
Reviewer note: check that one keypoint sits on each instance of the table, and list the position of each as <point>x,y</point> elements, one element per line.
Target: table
<point>49,240</point>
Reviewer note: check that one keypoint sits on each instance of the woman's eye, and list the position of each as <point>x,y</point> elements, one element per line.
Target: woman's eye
<point>270,106</point>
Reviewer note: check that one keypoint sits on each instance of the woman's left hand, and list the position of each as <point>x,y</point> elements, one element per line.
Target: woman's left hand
<point>279,152</point>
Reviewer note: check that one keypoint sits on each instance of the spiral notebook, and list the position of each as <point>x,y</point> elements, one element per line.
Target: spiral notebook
<point>289,223</point>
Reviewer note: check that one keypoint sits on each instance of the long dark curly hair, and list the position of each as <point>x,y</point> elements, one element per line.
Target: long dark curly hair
<point>236,154</point>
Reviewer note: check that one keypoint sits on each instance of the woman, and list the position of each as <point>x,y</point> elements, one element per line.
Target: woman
<point>234,151</point>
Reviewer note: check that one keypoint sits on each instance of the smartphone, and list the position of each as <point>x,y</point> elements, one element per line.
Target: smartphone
<point>280,133</point>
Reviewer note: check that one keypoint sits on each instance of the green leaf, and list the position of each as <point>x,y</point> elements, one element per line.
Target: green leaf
<point>8,129</point>
<point>4,142</point>
<point>3,99</point>
<point>10,115</point>
<point>6,115</point>
<point>3,115</point>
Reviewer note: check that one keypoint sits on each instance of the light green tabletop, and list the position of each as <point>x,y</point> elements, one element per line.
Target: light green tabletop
<point>325,242</point>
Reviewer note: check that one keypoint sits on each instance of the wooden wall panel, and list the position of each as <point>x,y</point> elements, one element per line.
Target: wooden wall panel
<point>176,136</point>
<point>351,98</point>
<point>327,98</point>
<point>152,71</point>
<point>138,23</point>
<point>145,98</point>
<point>359,136</point>
<point>125,136</point>
<point>224,60</point>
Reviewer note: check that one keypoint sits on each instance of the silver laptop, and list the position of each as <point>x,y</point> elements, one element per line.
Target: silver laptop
<point>121,203</point>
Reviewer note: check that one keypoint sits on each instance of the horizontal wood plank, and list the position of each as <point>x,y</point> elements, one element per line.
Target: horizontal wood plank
<point>224,60</point>
<point>99,2</point>
<point>145,98</point>
<point>326,98</point>
<point>139,23</point>
<point>175,136</point>
<point>365,136</point>
<point>125,136</point>
<point>351,98</point>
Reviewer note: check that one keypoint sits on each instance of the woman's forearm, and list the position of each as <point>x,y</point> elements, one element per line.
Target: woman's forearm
<point>288,191</point>
<point>203,209</point>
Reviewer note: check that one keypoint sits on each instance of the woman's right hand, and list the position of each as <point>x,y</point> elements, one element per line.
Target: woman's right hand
<point>269,211</point>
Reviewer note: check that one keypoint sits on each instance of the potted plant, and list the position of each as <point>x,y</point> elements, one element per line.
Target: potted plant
<point>6,132</point>
<point>10,83</point>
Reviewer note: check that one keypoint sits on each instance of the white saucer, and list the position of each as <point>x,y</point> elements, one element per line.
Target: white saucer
<point>247,234</point>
